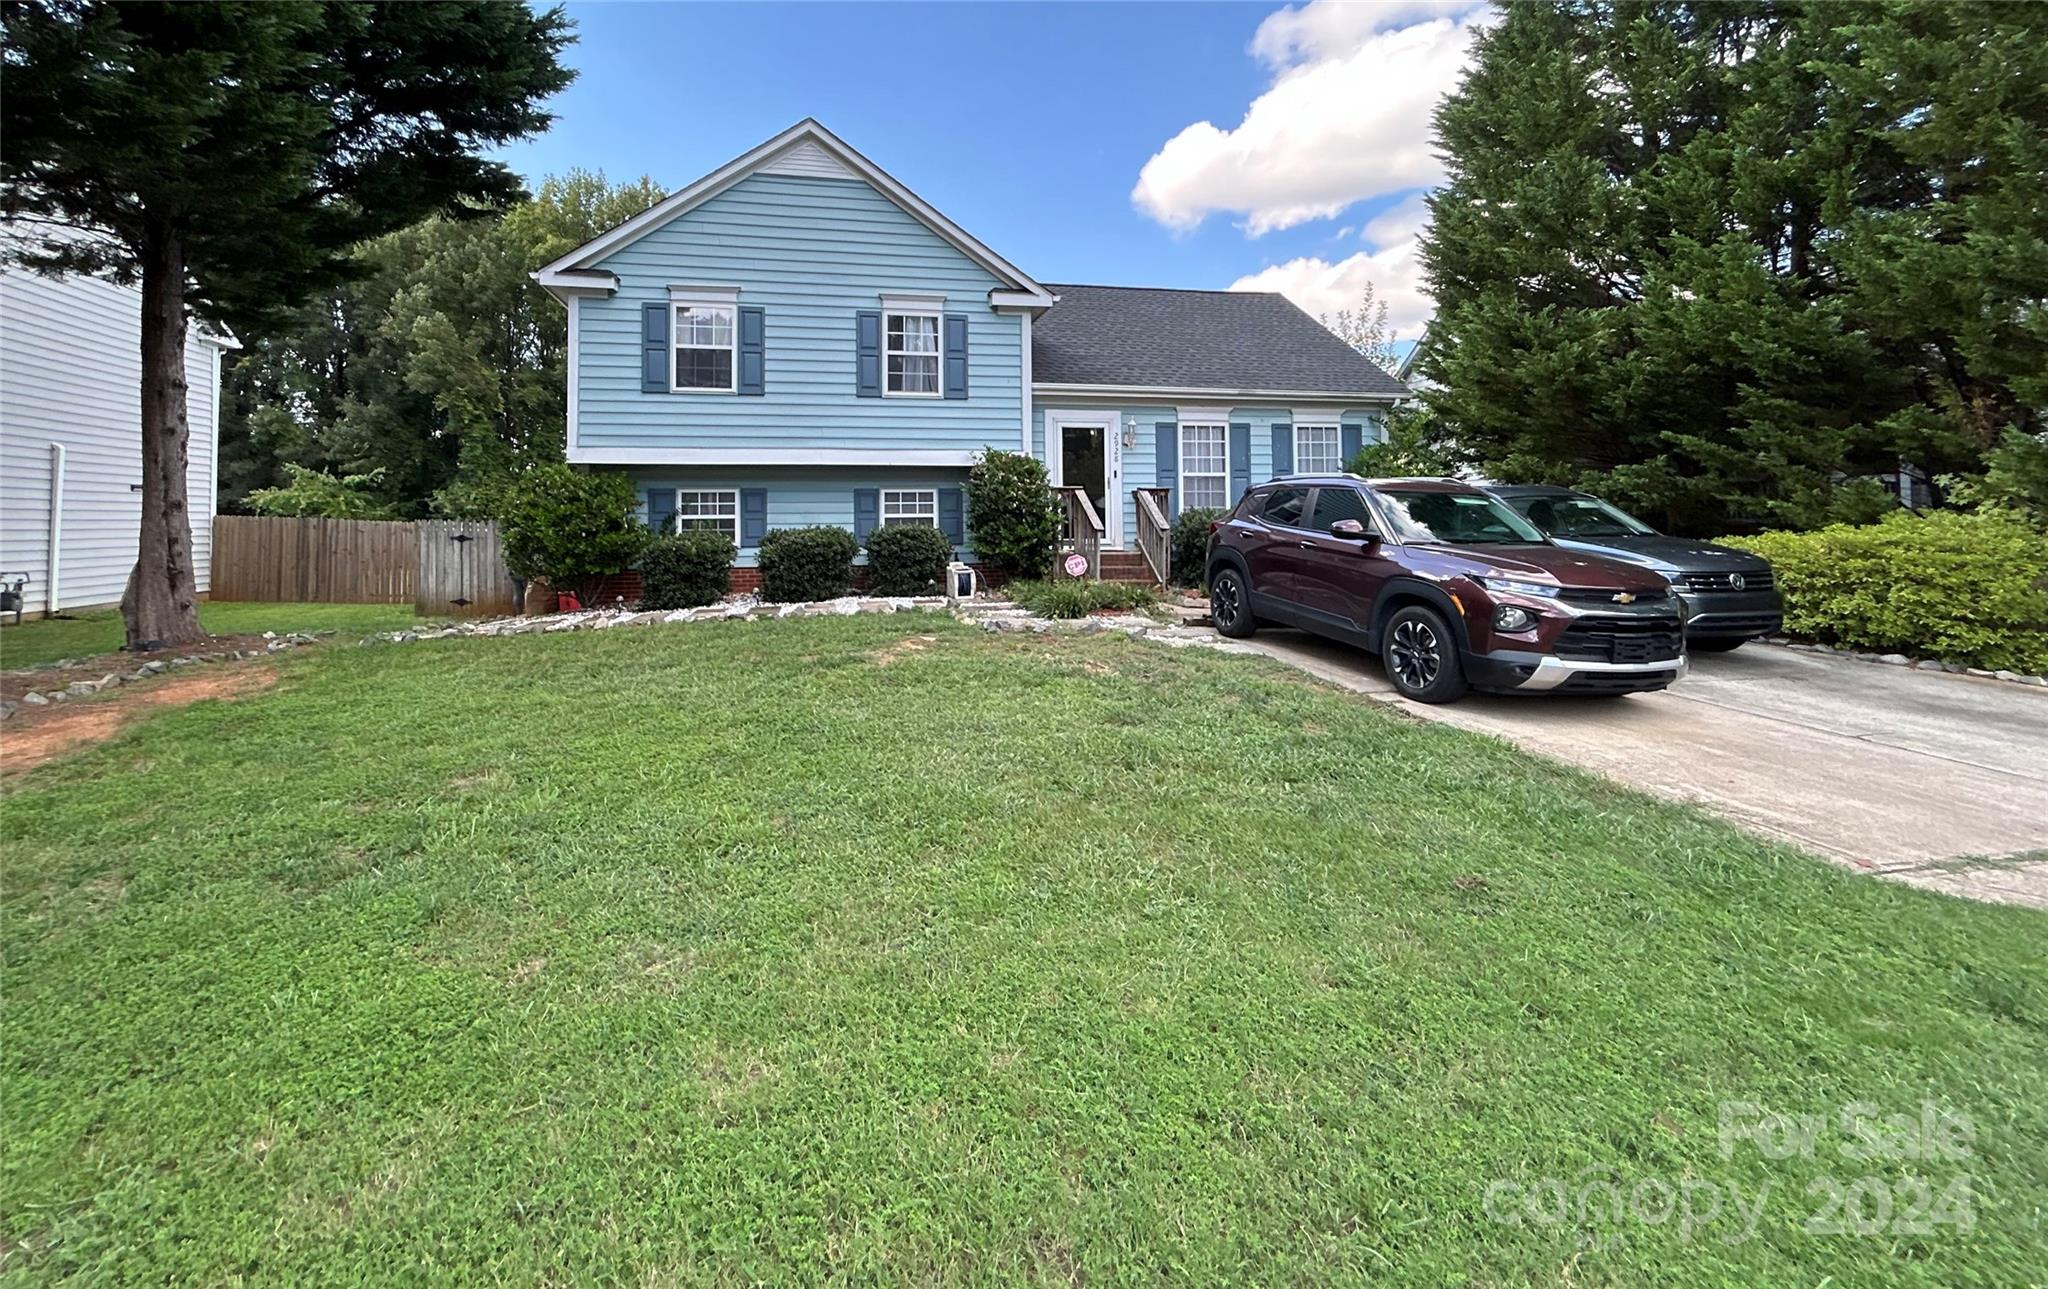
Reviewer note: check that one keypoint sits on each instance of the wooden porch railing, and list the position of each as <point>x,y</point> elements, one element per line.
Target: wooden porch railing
<point>1155,533</point>
<point>1084,528</point>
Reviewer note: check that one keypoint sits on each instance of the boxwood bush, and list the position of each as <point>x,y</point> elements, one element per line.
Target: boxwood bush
<point>1958,587</point>
<point>1075,598</point>
<point>1010,511</point>
<point>907,559</point>
<point>1191,544</point>
<point>807,563</point>
<point>686,569</point>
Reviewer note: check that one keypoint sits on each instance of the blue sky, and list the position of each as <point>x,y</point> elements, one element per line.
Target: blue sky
<point>1031,124</point>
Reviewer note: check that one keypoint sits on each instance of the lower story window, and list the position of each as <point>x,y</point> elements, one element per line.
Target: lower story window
<point>1318,449</point>
<point>1204,467</point>
<point>718,511</point>
<point>911,506</point>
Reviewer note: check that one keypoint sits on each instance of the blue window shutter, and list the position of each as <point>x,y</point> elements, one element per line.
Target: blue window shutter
<point>654,359</point>
<point>1166,464</point>
<point>753,516</point>
<point>753,351</point>
<point>952,516</point>
<point>867,512</point>
<point>1353,440</point>
<point>1240,460</point>
<point>956,355</point>
<point>867,353</point>
<point>1283,450</point>
<point>661,508</point>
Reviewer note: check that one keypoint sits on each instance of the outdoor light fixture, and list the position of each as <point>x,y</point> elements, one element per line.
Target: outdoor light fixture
<point>1130,432</point>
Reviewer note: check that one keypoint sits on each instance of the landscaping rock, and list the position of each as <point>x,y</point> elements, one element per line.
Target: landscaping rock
<point>1895,659</point>
<point>82,688</point>
<point>33,699</point>
<point>8,709</point>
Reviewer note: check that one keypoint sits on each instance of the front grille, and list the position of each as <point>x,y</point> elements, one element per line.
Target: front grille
<point>1643,599</point>
<point>1615,682</point>
<point>1759,580</point>
<point>1623,640</point>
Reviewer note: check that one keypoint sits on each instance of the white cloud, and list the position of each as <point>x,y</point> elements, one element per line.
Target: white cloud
<point>1346,118</point>
<point>1321,286</point>
<point>1396,224</point>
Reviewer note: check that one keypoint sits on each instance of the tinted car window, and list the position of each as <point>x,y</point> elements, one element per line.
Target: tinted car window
<point>1333,504</point>
<point>1460,518</point>
<point>1579,517</point>
<point>1284,506</point>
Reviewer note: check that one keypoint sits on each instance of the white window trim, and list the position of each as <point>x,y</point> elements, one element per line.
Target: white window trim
<point>708,297</point>
<point>1181,465</point>
<point>1333,426</point>
<point>928,508</point>
<point>731,493</point>
<point>933,307</point>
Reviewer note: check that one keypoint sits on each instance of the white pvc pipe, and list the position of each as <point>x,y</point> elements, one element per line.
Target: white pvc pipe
<point>56,523</point>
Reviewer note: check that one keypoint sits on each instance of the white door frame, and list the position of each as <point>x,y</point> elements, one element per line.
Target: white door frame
<point>1113,463</point>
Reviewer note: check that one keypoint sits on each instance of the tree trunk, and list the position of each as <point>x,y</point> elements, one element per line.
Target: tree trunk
<point>161,604</point>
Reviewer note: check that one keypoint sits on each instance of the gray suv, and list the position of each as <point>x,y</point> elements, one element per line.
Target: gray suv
<point>1729,596</point>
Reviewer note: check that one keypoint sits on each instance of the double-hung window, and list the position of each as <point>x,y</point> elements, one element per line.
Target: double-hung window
<point>1204,466</point>
<point>1318,449</point>
<point>704,347</point>
<point>910,506</point>
<point>911,354</point>
<point>717,510</point>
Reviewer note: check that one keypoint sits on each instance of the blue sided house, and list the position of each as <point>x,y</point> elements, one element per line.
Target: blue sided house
<point>797,338</point>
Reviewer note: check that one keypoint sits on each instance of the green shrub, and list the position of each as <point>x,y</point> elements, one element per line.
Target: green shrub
<point>807,563</point>
<point>1191,544</point>
<point>907,559</point>
<point>1074,598</point>
<point>573,529</point>
<point>1011,514</point>
<point>686,569</point>
<point>1961,588</point>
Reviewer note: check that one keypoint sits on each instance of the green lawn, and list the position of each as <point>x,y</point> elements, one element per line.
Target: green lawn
<point>40,640</point>
<point>794,950</point>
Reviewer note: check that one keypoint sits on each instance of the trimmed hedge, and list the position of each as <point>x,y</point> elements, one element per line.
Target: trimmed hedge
<point>1075,598</point>
<point>907,559</point>
<point>807,563</point>
<point>1011,514</point>
<point>1966,588</point>
<point>1191,544</point>
<point>686,569</point>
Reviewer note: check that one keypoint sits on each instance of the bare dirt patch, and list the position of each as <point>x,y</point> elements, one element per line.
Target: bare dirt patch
<point>904,648</point>
<point>36,736</point>
<point>13,684</point>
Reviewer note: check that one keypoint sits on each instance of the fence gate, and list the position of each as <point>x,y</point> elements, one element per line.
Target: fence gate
<point>461,570</point>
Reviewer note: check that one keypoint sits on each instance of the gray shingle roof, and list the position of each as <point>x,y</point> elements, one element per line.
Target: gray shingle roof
<point>1162,338</point>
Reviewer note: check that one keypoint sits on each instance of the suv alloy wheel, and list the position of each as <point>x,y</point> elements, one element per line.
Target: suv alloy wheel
<point>1230,604</point>
<point>1421,657</point>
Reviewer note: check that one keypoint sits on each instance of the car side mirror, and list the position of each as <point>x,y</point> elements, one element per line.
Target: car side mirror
<point>1352,530</point>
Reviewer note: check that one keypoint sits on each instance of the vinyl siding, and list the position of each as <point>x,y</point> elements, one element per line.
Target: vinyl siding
<point>798,496</point>
<point>71,373</point>
<point>1140,460</point>
<point>812,252</point>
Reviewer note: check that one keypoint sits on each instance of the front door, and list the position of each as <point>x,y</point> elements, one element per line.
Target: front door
<point>1085,457</point>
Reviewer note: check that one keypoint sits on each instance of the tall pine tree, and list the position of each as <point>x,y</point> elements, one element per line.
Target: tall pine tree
<point>1716,260</point>
<point>227,156</point>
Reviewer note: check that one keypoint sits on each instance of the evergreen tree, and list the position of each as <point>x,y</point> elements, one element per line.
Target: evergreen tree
<point>228,156</point>
<point>1718,260</point>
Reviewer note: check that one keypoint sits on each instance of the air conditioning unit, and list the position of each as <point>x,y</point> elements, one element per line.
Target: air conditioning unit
<point>961,581</point>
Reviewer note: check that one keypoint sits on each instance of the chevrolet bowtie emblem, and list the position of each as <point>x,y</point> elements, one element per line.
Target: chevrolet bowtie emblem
<point>1625,597</point>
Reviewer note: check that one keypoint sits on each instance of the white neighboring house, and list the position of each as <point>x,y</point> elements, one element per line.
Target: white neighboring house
<point>71,438</point>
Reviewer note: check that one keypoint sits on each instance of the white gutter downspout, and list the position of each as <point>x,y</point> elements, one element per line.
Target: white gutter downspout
<point>56,524</point>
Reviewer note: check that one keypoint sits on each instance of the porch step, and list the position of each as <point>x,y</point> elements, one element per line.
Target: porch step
<point>1126,566</point>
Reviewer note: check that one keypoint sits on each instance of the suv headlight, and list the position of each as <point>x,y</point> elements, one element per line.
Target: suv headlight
<point>1515,587</point>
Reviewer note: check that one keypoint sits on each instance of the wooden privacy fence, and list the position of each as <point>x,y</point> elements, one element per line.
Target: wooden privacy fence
<point>440,567</point>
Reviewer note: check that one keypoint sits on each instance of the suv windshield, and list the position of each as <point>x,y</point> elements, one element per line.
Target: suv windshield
<point>1457,518</point>
<point>1579,517</point>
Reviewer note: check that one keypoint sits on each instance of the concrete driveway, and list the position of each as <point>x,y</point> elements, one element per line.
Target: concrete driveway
<point>1935,779</point>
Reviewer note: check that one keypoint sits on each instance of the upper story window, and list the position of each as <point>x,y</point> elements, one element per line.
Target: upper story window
<point>910,506</point>
<point>1318,449</point>
<point>704,346</point>
<point>910,355</point>
<point>1204,466</point>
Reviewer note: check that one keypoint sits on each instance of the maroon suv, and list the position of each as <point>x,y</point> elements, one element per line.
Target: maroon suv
<point>1449,586</point>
